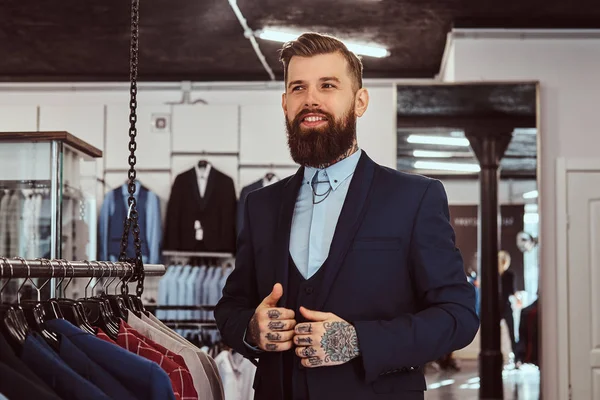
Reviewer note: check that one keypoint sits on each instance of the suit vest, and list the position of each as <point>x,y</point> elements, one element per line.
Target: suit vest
<point>302,292</point>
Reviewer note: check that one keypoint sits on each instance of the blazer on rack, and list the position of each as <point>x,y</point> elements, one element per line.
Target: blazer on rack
<point>393,271</point>
<point>215,212</point>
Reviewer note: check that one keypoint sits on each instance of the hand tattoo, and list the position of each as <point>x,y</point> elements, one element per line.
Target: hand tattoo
<point>273,336</point>
<point>309,351</point>
<point>276,325</point>
<point>339,342</point>
<point>271,347</point>
<point>304,340</point>
<point>315,361</point>
<point>253,331</point>
<point>274,314</point>
<point>306,328</point>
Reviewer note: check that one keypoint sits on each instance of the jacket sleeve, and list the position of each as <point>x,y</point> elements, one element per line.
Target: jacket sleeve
<point>240,294</point>
<point>447,320</point>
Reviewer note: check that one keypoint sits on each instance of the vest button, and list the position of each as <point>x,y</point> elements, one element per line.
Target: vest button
<point>308,290</point>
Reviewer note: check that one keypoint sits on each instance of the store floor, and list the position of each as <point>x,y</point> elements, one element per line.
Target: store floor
<point>521,384</point>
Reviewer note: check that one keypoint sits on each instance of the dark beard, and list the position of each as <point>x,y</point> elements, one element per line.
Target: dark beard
<point>321,147</point>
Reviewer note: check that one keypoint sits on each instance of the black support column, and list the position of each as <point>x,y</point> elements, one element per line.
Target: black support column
<point>489,148</point>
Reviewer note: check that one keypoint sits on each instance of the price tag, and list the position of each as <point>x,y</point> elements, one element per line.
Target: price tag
<point>199,230</point>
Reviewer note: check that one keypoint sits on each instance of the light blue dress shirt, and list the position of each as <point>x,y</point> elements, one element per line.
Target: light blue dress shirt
<point>313,225</point>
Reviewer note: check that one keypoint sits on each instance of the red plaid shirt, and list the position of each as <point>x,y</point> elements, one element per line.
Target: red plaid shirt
<point>181,379</point>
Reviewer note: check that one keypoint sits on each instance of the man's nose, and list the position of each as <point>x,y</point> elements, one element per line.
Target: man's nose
<point>312,99</point>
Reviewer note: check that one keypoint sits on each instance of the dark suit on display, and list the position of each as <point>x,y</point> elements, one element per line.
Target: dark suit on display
<point>215,211</point>
<point>393,271</point>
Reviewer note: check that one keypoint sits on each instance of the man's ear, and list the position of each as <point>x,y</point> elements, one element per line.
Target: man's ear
<point>284,103</point>
<point>361,102</point>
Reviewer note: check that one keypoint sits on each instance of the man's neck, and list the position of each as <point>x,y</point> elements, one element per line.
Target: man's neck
<point>353,149</point>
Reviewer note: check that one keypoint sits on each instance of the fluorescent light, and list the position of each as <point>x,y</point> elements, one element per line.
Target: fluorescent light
<point>432,154</point>
<point>364,50</point>
<point>447,166</point>
<point>531,195</point>
<point>531,218</point>
<point>440,140</point>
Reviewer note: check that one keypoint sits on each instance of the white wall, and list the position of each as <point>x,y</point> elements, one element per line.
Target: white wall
<point>243,125</point>
<point>566,66</point>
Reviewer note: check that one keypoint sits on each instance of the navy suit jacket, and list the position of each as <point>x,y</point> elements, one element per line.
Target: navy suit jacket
<point>142,378</point>
<point>393,271</point>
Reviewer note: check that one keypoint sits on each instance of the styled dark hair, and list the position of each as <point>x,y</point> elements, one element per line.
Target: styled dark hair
<point>311,44</point>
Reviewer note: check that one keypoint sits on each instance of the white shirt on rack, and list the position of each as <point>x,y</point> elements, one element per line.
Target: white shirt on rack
<point>202,175</point>
<point>237,374</point>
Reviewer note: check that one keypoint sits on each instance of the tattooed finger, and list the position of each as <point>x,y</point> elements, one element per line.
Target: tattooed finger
<point>274,337</point>
<point>303,340</point>
<point>276,325</point>
<point>271,347</point>
<point>314,362</point>
<point>304,328</point>
<point>306,352</point>
<point>274,314</point>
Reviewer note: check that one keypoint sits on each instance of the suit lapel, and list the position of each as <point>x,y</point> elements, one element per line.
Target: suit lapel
<point>350,218</point>
<point>284,227</point>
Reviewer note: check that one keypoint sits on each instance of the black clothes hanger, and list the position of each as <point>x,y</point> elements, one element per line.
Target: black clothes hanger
<point>98,311</point>
<point>116,302</point>
<point>202,164</point>
<point>35,313</point>
<point>72,310</point>
<point>12,326</point>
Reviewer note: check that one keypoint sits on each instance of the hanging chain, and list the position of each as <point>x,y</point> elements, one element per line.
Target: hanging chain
<point>131,222</point>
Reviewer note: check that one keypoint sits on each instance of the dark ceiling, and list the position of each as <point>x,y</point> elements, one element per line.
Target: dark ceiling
<point>202,40</point>
<point>484,108</point>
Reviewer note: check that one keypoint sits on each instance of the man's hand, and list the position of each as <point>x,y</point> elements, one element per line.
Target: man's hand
<point>327,341</point>
<point>271,328</point>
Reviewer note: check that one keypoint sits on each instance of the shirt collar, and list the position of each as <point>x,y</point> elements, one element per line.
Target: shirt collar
<point>202,174</point>
<point>336,173</point>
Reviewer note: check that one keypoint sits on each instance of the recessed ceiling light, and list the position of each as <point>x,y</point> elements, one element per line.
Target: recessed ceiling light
<point>360,49</point>
<point>531,195</point>
<point>432,154</point>
<point>439,140</point>
<point>447,166</point>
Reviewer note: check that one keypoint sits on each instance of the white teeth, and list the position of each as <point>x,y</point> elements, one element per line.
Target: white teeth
<point>314,119</point>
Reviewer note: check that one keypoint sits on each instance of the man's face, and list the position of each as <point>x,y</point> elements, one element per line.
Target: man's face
<point>321,107</point>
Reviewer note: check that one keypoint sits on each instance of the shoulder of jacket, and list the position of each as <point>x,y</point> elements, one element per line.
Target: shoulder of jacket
<point>404,177</point>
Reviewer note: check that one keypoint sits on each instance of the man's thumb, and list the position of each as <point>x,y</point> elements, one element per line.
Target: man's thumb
<point>272,299</point>
<point>316,316</point>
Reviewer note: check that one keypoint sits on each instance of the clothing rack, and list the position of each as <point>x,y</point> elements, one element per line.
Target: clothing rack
<point>43,268</point>
<point>176,307</point>
<point>175,253</point>
<point>24,184</point>
<point>189,324</point>
<point>268,166</point>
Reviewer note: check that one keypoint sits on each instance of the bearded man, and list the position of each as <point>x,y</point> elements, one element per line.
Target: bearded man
<point>347,278</point>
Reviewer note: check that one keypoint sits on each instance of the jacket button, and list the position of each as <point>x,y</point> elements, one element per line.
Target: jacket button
<point>308,290</point>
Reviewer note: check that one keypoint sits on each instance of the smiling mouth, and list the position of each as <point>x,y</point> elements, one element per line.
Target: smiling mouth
<point>314,118</point>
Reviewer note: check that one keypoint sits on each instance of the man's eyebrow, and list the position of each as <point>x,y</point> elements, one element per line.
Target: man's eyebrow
<point>324,79</point>
<point>330,78</point>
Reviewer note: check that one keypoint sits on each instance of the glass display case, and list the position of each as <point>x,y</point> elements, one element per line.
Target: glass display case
<point>47,209</point>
